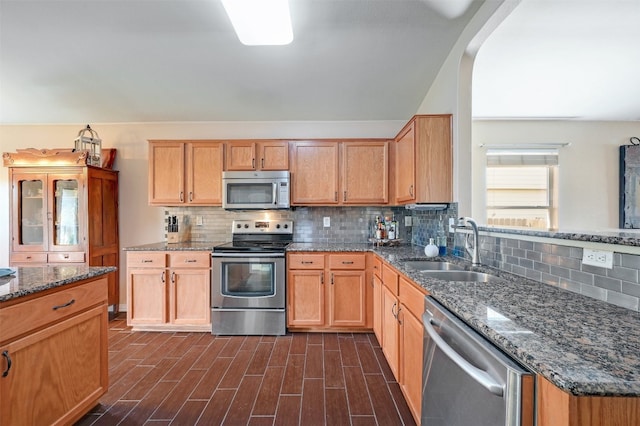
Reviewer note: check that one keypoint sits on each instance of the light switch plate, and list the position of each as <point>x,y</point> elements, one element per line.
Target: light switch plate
<point>601,258</point>
<point>326,221</point>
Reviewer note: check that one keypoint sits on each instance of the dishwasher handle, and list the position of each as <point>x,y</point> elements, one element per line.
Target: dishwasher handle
<point>480,376</point>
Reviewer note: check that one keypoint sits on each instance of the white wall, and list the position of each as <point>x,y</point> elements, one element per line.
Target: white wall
<point>139,222</point>
<point>588,169</point>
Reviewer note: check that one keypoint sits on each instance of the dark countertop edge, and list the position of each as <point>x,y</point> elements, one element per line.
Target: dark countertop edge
<point>94,271</point>
<point>621,237</point>
<point>184,246</point>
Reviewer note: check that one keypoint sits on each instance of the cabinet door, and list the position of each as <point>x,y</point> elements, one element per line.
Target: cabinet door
<point>365,172</point>
<point>189,296</point>
<point>146,296</point>
<point>411,344</point>
<point>241,155</point>
<point>405,165</point>
<point>377,308</point>
<point>434,159</point>
<point>315,173</point>
<point>66,212</point>
<point>305,298</point>
<point>390,330</point>
<point>274,155</point>
<point>166,173</point>
<point>57,373</point>
<point>347,299</point>
<point>29,222</point>
<point>204,173</point>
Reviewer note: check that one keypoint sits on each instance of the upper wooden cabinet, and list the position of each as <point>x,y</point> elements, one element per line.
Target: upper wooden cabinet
<point>424,161</point>
<point>257,155</point>
<point>340,173</point>
<point>185,173</point>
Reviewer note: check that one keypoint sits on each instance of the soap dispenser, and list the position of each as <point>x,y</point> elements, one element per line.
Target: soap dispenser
<point>431,250</point>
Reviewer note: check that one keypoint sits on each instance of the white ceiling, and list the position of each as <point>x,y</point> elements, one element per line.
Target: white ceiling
<point>105,61</point>
<point>72,61</point>
<point>562,59</point>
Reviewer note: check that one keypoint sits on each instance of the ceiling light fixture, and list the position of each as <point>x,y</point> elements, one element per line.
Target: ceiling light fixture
<point>260,22</point>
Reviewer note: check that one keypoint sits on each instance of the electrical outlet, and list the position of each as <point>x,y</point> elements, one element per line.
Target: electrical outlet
<point>326,221</point>
<point>452,222</point>
<point>199,221</point>
<point>601,258</point>
<point>408,221</point>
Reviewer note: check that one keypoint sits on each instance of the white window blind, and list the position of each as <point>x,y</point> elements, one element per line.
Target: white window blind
<point>520,187</point>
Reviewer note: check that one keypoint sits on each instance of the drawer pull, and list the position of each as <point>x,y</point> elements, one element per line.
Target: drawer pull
<point>147,261</point>
<point>5,354</point>
<point>28,257</point>
<point>307,262</point>
<point>173,277</point>
<point>65,305</point>
<point>190,260</point>
<point>66,256</point>
<point>345,262</point>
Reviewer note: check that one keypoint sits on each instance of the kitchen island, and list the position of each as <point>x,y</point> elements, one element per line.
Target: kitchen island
<point>53,343</point>
<point>583,350</point>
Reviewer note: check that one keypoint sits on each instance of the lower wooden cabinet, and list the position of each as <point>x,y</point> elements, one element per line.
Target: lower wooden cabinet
<point>59,358</point>
<point>399,307</point>
<point>169,290</point>
<point>326,291</point>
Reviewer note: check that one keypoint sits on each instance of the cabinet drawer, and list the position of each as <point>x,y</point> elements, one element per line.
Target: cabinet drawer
<point>412,296</point>
<point>28,258</point>
<point>69,257</point>
<point>190,259</point>
<point>347,261</point>
<point>306,261</point>
<point>146,259</point>
<point>377,266</point>
<point>21,318</point>
<point>390,278</point>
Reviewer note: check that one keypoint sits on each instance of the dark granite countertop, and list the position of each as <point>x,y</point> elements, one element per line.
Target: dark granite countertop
<point>582,345</point>
<point>628,237</point>
<point>29,280</point>
<point>185,246</point>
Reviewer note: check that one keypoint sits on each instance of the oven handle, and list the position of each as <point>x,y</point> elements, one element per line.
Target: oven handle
<point>480,376</point>
<point>254,255</point>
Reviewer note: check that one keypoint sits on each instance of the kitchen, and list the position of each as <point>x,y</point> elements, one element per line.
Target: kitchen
<point>144,223</point>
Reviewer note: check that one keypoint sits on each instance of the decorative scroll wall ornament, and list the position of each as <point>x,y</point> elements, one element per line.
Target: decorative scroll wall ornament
<point>32,157</point>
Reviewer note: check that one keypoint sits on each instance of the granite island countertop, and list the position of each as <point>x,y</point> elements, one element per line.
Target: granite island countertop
<point>34,279</point>
<point>582,345</point>
<point>184,246</point>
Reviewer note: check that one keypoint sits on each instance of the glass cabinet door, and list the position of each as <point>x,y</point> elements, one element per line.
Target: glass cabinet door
<point>66,231</point>
<point>30,223</point>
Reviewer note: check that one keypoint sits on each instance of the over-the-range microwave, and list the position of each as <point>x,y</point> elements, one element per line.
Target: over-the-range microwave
<point>255,190</point>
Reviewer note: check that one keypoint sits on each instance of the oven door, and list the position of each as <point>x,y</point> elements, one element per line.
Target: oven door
<point>244,281</point>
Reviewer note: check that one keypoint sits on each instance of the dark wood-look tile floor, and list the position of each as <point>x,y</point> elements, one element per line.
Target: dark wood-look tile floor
<point>200,379</point>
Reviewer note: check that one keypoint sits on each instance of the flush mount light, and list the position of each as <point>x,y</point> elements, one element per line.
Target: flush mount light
<point>260,22</point>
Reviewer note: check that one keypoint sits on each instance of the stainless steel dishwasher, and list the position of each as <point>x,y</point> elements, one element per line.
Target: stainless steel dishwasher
<point>466,380</point>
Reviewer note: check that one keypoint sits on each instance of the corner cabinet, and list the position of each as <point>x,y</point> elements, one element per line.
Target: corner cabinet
<point>327,291</point>
<point>62,215</point>
<point>424,161</point>
<point>185,173</point>
<point>169,291</point>
<point>58,353</point>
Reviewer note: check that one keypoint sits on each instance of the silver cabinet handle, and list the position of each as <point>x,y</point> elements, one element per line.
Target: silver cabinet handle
<point>5,354</point>
<point>482,377</point>
<point>345,262</point>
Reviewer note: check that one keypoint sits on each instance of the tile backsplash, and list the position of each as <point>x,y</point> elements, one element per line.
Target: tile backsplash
<point>557,265</point>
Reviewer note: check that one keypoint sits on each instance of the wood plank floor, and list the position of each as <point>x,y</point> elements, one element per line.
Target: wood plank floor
<point>297,379</point>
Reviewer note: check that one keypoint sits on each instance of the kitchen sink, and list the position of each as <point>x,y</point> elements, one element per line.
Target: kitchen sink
<point>460,276</point>
<point>432,265</point>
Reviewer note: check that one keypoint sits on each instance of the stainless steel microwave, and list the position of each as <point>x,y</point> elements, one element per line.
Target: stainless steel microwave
<point>255,190</point>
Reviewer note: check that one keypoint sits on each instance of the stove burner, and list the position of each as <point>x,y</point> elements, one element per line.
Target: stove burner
<point>259,236</point>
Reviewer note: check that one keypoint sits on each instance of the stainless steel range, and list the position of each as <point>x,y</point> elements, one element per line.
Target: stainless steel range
<point>248,278</point>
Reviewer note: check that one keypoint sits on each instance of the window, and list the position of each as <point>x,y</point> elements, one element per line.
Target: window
<point>521,188</point>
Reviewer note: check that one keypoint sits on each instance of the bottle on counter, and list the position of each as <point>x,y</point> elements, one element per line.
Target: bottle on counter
<point>441,238</point>
<point>393,230</point>
<point>431,250</point>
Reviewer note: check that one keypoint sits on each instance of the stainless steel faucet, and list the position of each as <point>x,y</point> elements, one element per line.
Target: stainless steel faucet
<point>473,249</point>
